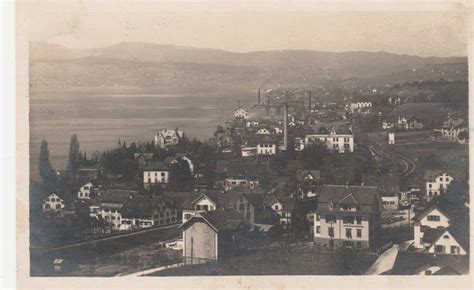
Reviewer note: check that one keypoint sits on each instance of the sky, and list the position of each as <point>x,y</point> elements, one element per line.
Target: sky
<point>438,28</point>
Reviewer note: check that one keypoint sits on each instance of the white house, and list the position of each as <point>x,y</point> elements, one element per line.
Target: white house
<point>391,137</point>
<point>432,218</point>
<point>341,141</point>
<point>157,173</point>
<point>240,113</point>
<point>263,131</point>
<point>434,233</point>
<point>359,104</point>
<point>53,204</point>
<point>348,216</point>
<point>85,191</point>
<point>168,137</point>
<point>265,145</point>
<point>248,151</point>
<point>437,182</point>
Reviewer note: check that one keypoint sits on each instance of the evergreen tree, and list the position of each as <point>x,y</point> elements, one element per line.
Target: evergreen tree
<point>46,170</point>
<point>181,178</point>
<point>73,163</point>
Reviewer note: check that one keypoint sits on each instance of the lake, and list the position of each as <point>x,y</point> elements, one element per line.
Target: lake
<point>101,120</point>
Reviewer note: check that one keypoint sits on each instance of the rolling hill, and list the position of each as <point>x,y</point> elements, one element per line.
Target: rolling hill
<point>145,64</point>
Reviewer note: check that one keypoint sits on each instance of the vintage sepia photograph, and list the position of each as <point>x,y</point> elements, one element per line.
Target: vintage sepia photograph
<point>246,138</point>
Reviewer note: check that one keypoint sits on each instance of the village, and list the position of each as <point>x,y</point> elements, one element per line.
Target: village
<point>299,182</point>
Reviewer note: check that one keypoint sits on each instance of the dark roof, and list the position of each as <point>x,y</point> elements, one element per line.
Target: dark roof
<point>410,263</point>
<point>144,205</point>
<point>148,156</point>
<point>460,232</point>
<point>220,219</point>
<point>262,139</point>
<point>338,193</point>
<point>459,268</point>
<point>119,196</point>
<point>454,123</point>
<point>419,216</point>
<point>363,196</point>
<point>158,166</point>
<point>432,235</point>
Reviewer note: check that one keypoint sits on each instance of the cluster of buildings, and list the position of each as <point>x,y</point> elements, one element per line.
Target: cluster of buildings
<point>234,213</point>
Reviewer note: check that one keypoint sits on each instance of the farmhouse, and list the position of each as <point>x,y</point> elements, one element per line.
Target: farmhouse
<point>240,113</point>
<point>452,128</point>
<point>143,159</point>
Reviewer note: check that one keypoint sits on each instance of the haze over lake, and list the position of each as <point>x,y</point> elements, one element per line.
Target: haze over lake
<point>101,120</point>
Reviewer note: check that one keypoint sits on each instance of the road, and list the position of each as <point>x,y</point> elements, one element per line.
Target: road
<point>92,241</point>
<point>408,164</point>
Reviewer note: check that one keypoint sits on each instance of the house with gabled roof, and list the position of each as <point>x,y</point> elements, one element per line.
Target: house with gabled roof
<point>437,181</point>
<point>425,264</point>
<point>340,139</point>
<point>348,216</point>
<point>168,137</point>
<point>209,236</point>
<point>143,159</point>
<point>309,183</point>
<point>452,127</point>
<point>436,232</point>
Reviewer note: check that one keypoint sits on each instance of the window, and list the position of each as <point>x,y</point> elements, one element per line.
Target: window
<point>47,206</point>
<point>331,232</point>
<point>330,219</point>
<point>359,233</point>
<point>205,207</point>
<point>349,233</point>
<point>433,218</point>
<point>439,249</point>
<point>318,217</point>
<point>430,185</point>
<point>348,220</point>
<point>197,207</point>
<point>187,216</point>
<point>162,174</point>
<point>428,272</point>
<point>318,229</point>
<point>331,206</point>
<point>58,206</point>
<point>454,250</point>
<point>346,207</point>
<point>441,179</point>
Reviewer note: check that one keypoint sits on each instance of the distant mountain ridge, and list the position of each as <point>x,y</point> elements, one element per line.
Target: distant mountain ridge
<point>218,66</point>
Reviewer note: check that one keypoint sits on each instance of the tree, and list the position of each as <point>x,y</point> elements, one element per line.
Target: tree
<point>313,156</point>
<point>73,162</point>
<point>46,170</point>
<point>181,178</point>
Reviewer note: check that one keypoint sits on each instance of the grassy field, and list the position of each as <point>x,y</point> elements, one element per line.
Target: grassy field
<point>104,253</point>
<point>296,260</point>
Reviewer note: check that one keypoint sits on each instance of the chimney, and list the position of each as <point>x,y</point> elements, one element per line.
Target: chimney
<point>309,99</point>
<point>268,104</point>
<point>285,132</point>
<point>259,96</point>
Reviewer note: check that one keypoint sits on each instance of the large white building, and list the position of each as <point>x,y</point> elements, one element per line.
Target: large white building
<point>341,141</point>
<point>168,137</point>
<point>53,204</point>
<point>359,104</point>
<point>241,113</point>
<point>348,216</point>
<point>157,173</point>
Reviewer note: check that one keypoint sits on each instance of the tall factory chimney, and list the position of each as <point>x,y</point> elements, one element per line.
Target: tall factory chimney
<point>285,129</point>
<point>259,96</point>
<point>309,96</point>
<point>268,104</point>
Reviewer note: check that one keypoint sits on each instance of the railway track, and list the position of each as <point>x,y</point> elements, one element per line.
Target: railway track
<point>408,164</point>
